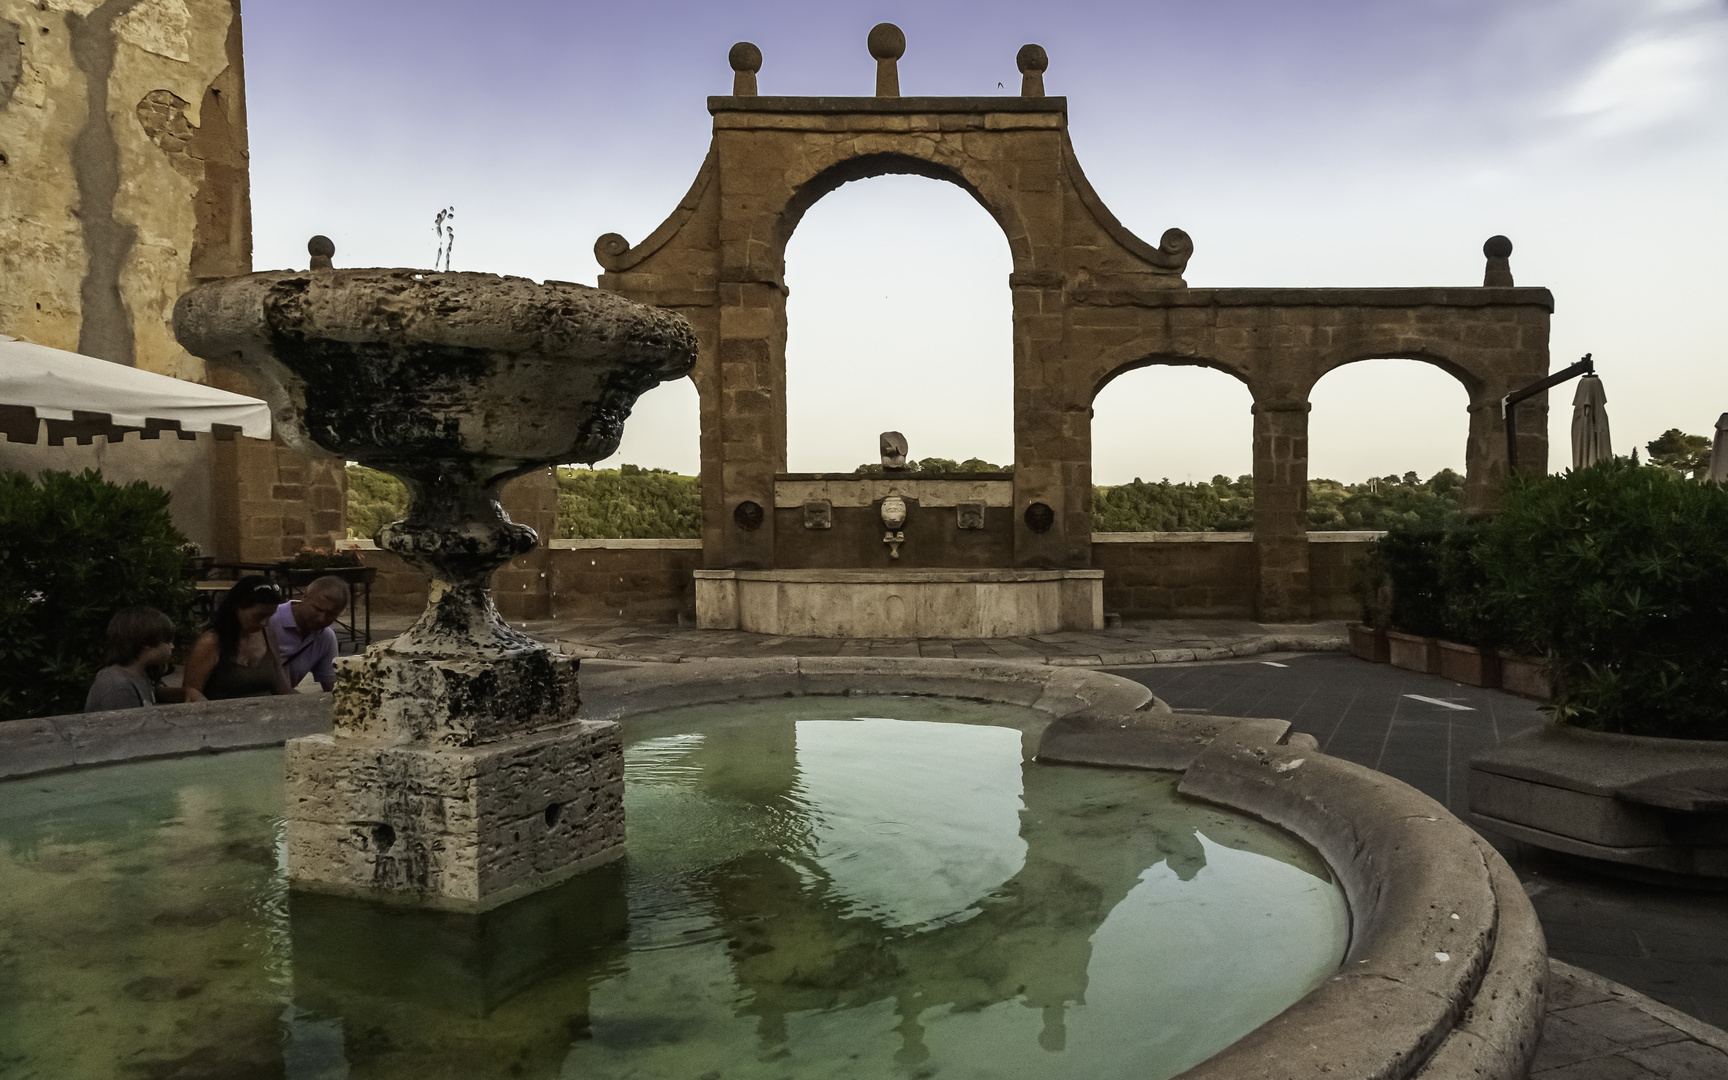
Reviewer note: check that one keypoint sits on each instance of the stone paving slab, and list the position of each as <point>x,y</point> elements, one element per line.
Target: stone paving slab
<point>1599,1030</point>
<point>1132,643</point>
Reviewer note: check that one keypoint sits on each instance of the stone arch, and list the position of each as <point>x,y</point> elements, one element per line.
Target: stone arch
<point>1089,298</point>
<point>1113,369</point>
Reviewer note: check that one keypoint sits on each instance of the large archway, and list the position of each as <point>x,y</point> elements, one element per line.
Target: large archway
<point>1089,298</point>
<point>898,318</point>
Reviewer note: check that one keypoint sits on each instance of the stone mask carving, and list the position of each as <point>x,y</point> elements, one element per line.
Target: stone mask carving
<point>893,511</point>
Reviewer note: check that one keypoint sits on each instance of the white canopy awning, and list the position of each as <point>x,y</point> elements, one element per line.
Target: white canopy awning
<point>56,384</point>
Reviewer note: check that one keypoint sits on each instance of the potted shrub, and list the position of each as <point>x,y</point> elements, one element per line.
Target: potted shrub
<point>1411,558</point>
<point>310,564</point>
<point>1469,623</point>
<point>1373,591</point>
<point>1619,574</point>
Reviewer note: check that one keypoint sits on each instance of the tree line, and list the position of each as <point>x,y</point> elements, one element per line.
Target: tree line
<point>631,502</point>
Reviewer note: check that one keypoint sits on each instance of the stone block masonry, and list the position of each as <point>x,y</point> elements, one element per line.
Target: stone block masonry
<point>462,829</point>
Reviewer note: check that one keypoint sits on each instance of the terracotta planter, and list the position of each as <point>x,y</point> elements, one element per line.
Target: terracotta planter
<point>1469,664</point>
<point>1413,653</point>
<point>1369,643</point>
<point>1526,676</point>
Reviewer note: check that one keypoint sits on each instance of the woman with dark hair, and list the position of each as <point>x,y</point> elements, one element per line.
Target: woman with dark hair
<point>139,638</point>
<point>235,656</point>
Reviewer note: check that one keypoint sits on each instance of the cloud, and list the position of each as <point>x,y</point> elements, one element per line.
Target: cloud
<point>1666,71</point>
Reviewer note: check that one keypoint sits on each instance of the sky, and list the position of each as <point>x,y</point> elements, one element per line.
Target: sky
<point>1317,143</point>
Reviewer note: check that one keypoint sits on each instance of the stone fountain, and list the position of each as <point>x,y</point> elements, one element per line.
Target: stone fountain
<point>458,774</point>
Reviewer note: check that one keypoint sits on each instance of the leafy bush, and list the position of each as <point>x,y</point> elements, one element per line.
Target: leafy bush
<point>936,466</point>
<point>375,499</point>
<point>73,550</point>
<point>1619,574</point>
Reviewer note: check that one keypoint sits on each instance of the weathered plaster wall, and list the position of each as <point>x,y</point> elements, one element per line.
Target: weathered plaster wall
<point>124,132</point>
<point>124,182</point>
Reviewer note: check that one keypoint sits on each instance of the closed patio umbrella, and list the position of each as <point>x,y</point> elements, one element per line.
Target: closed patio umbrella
<point>95,397</point>
<point>1719,452</point>
<point>1590,423</point>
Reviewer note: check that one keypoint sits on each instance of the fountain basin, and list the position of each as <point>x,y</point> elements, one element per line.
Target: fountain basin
<point>1443,972</point>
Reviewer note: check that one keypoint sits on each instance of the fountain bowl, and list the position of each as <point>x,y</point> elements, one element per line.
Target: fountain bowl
<point>422,374</point>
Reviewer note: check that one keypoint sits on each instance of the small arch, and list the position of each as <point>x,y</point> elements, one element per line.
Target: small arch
<point>1373,416</point>
<point>1207,430</point>
<point>1113,370</point>
<point>1473,385</point>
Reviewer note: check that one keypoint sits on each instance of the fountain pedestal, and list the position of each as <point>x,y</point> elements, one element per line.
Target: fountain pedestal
<point>458,773</point>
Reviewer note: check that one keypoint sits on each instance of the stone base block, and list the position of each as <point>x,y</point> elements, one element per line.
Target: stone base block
<point>463,828</point>
<point>454,701</point>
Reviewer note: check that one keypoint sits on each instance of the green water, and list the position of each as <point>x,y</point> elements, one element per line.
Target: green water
<point>849,888</point>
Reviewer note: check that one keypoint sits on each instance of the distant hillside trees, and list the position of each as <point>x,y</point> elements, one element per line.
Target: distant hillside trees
<point>1226,505</point>
<point>631,502</point>
<point>628,503</point>
<point>375,499</point>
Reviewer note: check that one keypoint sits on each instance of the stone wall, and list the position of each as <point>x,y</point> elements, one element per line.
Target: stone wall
<point>1146,576</point>
<point>637,580</point>
<point>1333,559</point>
<point>1211,575</point>
<point>124,182</point>
<point>1176,575</point>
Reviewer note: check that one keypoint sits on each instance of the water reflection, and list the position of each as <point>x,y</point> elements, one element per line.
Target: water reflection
<point>806,893</point>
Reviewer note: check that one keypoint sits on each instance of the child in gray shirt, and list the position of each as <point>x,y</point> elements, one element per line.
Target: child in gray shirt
<point>139,638</point>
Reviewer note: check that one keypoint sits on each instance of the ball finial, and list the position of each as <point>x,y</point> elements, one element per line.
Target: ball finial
<point>746,61</point>
<point>321,248</point>
<point>887,41</point>
<point>1498,271</point>
<point>1032,60</point>
<point>745,56</point>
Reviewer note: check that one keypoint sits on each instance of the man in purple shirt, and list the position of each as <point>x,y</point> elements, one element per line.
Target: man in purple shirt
<point>303,633</point>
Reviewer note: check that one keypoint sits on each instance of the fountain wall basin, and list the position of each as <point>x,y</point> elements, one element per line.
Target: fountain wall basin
<point>1382,938</point>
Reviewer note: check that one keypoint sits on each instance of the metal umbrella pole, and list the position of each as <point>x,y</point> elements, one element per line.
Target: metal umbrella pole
<point>1509,406</point>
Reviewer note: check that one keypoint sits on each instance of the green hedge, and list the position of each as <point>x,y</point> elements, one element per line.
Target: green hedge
<point>1617,573</point>
<point>73,550</point>
<point>1620,574</point>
